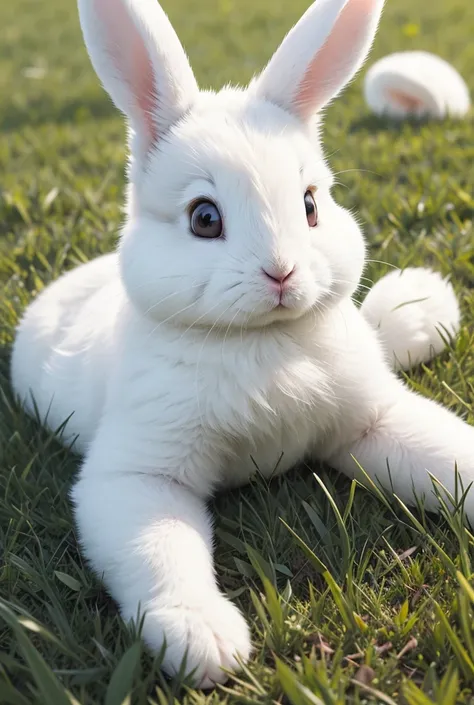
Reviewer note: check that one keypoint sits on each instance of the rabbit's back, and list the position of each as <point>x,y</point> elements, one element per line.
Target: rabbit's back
<point>59,356</point>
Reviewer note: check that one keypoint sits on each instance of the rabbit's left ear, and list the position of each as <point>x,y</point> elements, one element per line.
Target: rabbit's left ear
<point>320,55</point>
<point>141,63</point>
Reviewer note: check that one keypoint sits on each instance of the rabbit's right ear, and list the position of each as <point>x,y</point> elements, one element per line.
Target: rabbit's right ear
<point>141,63</point>
<point>320,55</point>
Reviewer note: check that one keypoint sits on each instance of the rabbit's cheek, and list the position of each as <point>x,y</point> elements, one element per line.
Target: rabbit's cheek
<point>320,271</point>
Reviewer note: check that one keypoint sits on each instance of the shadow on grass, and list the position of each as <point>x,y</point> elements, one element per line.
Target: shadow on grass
<point>375,123</point>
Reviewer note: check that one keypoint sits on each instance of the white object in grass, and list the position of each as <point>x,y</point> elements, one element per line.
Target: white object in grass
<point>414,311</point>
<point>418,84</point>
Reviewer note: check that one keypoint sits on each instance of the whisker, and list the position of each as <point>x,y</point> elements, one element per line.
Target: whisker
<point>200,318</point>
<point>174,293</point>
<point>346,281</point>
<point>245,323</point>
<point>380,261</point>
<point>336,151</point>
<point>364,286</point>
<point>364,171</point>
<point>340,183</point>
<point>170,318</point>
<point>233,286</point>
<point>227,332</point>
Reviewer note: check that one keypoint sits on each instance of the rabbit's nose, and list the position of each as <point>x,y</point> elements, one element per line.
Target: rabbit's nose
<point>279,276</point>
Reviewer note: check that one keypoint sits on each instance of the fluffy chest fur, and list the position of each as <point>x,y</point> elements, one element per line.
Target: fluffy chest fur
<point>211,407</point>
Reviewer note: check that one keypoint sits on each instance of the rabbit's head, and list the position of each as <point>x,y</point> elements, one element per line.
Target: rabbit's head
<point>231,219</point>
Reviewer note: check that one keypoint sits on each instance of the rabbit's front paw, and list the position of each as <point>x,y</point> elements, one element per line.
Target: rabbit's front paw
<point>209,637</point>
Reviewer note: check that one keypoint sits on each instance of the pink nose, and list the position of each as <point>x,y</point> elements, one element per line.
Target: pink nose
<point>279,276</point>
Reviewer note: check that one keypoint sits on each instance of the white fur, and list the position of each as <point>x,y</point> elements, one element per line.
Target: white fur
<point>416,83</point>
<point>173,356</point>
<point>414,311</point>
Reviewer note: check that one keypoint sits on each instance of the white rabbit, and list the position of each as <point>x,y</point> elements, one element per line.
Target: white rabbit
<point>223,328</point>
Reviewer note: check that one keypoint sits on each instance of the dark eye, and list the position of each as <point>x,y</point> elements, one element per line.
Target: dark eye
<point>205,220</point>
<point>311,209</point>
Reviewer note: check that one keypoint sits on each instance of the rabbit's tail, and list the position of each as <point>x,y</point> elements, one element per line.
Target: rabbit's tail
<point>415,312</point>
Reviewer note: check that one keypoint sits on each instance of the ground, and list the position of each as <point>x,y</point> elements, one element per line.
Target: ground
<point>385,613</point>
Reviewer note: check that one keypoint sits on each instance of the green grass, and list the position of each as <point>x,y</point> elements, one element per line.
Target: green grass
<point>351,598</point>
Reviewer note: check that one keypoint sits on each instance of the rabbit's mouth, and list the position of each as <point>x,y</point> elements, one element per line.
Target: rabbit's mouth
<point>291,305</point>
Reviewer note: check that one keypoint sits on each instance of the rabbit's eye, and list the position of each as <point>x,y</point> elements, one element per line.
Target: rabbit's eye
<point>205,220</point>
<point>311,209</point>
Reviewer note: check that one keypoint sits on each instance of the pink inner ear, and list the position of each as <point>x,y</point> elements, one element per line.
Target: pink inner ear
<point>409,102</point>
<point>130,57</point>
<point>332,64</point>
<point>144,88</point>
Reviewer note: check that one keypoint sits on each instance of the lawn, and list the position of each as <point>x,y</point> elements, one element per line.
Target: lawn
<point>352,598</point>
